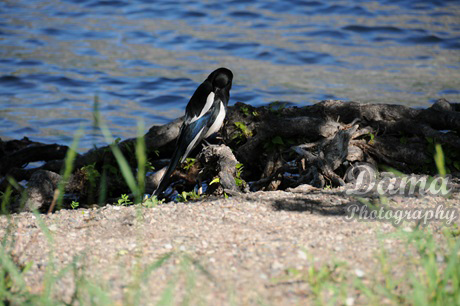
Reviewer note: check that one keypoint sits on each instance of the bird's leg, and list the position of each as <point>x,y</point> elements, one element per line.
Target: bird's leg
<point>220,137</point>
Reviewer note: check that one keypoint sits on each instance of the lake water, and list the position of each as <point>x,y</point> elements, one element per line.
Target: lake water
<point>144,59</point>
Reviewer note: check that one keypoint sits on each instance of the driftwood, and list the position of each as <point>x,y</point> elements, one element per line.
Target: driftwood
<point>219,162</point>
<point>279,147</point>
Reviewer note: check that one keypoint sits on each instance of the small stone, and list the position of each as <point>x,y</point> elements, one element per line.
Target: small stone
<point>302,255</point>
<point>168,246</point>
<point>277,265</point>
<point>53,227</point>
<point>359,273</point>
<point>439,258</point>
<point>350,301</point>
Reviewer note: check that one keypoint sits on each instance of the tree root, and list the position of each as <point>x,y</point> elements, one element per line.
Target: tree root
<point>280,147</point>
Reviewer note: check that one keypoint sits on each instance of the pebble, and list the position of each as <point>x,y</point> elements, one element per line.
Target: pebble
<point>359,273</point>
<point>276,265</point>
<point>350,301</point>
<point>302,254</point>
<point>439,258</point>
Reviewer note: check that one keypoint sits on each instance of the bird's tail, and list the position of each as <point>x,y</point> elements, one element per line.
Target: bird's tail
<point>178,152</point>
<point>189,137</point>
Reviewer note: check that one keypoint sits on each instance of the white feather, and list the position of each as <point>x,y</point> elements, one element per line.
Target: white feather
<point>191,145</point>
<point>218,122</point>
<point>206,108</point>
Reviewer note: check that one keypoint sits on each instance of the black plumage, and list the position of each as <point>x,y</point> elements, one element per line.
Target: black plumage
<point>204,115</point>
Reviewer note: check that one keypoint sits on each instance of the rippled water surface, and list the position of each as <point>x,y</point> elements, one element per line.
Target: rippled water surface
<point>144,59</point>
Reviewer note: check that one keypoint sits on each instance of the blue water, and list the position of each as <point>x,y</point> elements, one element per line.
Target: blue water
<point>144,59</point>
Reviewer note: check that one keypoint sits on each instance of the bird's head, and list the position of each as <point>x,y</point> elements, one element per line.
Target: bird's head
<point>221,79</point>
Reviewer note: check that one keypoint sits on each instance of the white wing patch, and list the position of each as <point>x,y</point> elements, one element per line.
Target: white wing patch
<point>218,122</point>
<point>191,145</point>
<point>206,108</point>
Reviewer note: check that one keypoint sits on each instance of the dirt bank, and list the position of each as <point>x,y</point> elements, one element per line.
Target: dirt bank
<point>248,249</point>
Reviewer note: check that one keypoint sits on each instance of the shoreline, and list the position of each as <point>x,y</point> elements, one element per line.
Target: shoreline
<point>251,248</point>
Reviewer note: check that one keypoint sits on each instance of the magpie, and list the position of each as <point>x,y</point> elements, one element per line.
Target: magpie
<point>204,116</point>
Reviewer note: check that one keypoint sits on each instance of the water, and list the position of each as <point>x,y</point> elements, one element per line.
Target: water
<point>144,59</point>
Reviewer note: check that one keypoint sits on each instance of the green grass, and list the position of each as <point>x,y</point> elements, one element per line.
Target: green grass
<point>326,282</point>
<point>89,291</point>
<point>188,196</point>
<point>124,200</point>
<point>428,273</point>
<point>67,170</point>
<point>431,274</point>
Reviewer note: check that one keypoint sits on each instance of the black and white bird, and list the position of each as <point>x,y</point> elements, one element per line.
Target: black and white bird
<point>204,116</point>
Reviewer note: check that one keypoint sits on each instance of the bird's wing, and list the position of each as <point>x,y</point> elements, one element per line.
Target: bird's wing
<point>200,103</point>
<point>192,133</point>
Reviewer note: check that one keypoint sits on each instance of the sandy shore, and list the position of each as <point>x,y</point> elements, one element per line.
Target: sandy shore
<point>248,249</point>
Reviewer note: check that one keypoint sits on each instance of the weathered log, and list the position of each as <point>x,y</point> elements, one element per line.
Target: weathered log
<point>219,161</point>
<point>331,153</point>
<point>40,190</point>
<point>16,153</point>
<point>329,135</point>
